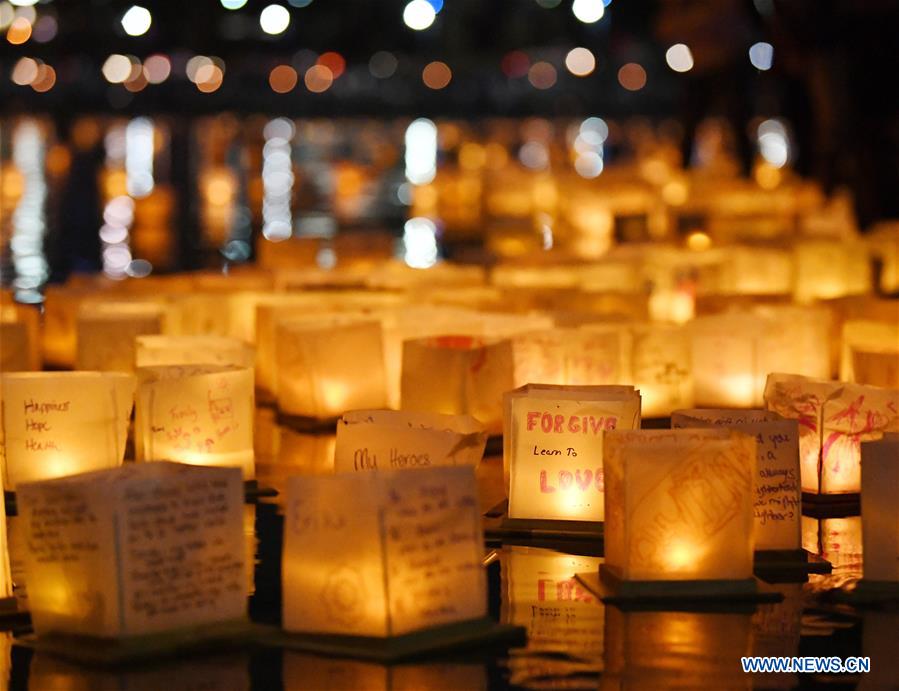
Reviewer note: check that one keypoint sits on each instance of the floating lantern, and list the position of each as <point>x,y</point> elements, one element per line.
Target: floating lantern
<point>403,555</point>
<point>155,351</point>
<point>869,337</point>
<point>61,423</point>
<point>393,440</point>
<point>553,453</point>
<point>661,367</point>
<point>196,414</point>
<point>591,355</point>
<point>834,418</point>
<point>733,353</point>
<point>777,486</point>
<point>458,375</point>
<point>830,269</point>
<point>134,550</point>
<point>880,511</point>
<point>876,368</point>
<point>106,333</point>
<point>679,511</point>
<point>325,369</point>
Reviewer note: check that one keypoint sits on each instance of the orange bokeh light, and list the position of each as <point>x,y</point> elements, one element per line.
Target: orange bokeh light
<point>436,75</point>
<point>282,79</point>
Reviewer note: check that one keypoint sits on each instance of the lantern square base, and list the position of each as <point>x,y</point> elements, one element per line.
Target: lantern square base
<point>482,634</point>
<point>831,505</point>
<point>788,565</point>
<point>117,651</point>
<point>511,529</point>
<point>612,590</point>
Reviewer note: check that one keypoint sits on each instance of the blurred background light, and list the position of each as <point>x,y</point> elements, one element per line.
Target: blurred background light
<point>580,62</point>
<point>761,55</point>
<point>282,79</point>
<point>137,20</point>
<point>588,11</point>
<point>318,79</point>
<point>19,31</point>
<point>420,243</point>
<point>632,76</point>
<point>421,151</point>
<point>116,68</point>
<point>542,75</point>
<point>436,75</point>
<point>45,29</point>
<point>679,58</point>
<point>157,68</point>
<point>274,19</point>
<point>382,65</point>
<point>419,15</point>
<point>233,4</point>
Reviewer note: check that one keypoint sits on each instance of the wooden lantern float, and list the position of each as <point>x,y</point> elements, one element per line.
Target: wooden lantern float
<point>137,550</point>
<point>552,451</point>
<point>679,513</point>
<point>328,366</point>
<point>196,414</point>
<point>458,375</point>
<point>61,423</point>
<point>393,440</point>
<point>106,333</point>
<point>734,352</point>
<point>403,555</point>
<point>158,351</point>
<point>880,513</point>
<point>777,493</point>
<point>834,418</point>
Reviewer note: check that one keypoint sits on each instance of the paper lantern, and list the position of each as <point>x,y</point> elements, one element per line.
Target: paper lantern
<point>661,367</point>
<point>382,554</point>
<point>876,368</point>
<point>777,487</point>
<point>393,440</point>
<point>155,351</point>
<point>553,447</point>
<point>591,355</point>
<point>748,270</point>
<point>834,418</point>
<point>831,268</point>
<point>734,353</point>
<point>16,351</point>
<point>59,335</point>
<point>458,375</point>
<point>135,550</point>
<point>880,511</point>
<point>327,369</point>
<point>679,508</point>
<point>106,333</point>
<point>869,337</point>
<point>60,423</point>
<point>540,593</point>
<point>196,414</point>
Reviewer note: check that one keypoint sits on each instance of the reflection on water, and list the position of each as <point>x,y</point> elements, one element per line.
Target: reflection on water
<point>839,541</point>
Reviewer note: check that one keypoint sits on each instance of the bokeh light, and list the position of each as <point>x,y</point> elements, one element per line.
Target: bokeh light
<point>137,20</point>
<point>157,68</point>
<point>679,58</point>
<point>274,19</point>
<point>632,76</point>
<point>282,79</point>
<point>233,4</point>
<point>45,29</point>
<point>25,71</point>
<point>209,77</point>
<point>318,79</point>
<point>19,31</point>
<point>436,75</point>
<point>580,62</point>
<point>515,64</point>
<point>382,64</point>
<point>334,62</point>
<point>117,68</point>
<point>418,15</point>
<point>761,55</point>
<point>7,14</point>
<point>588,11</point>
<point>542,75</point>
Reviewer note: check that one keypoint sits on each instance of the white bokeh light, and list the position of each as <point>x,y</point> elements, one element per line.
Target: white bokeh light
<point>588,11</point>
<point>679,58</point>
<point>421,151</point>
<point>761,55</point>
<point>419,15</point>
<point>274,19</point>
<point>137,20</point>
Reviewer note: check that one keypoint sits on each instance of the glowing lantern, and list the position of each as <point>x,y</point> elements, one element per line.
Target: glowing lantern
<point>553,455</point>
<point>834,418</point>
<point>197,414</point>
<point>876,368</point>
<point>587,356</point>
<point>392,440</point>
<point>777,491</point>
<point>16,353</point>
<point>326,369</point>
<point>403,555</point>
<point>734,353</point>
<point>155,351</point>
<point>135,550</point>
<point>540,592</point>
<point>458,375</point>
<point>864,340</point>
<point>661,367</point>
<point>880,512</point>
<point>831,268</point>
<point>679,510</point>
<point>751,270</point>
<point>106,333</point>
<point>60,423</point>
